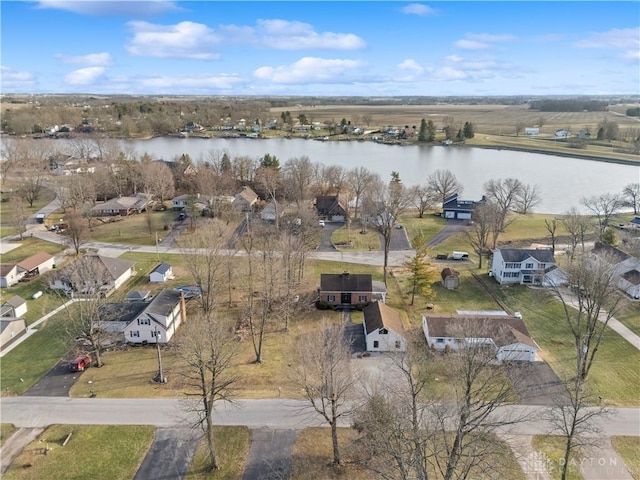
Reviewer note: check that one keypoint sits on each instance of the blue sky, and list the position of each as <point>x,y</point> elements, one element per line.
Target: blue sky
<point>369,48</point>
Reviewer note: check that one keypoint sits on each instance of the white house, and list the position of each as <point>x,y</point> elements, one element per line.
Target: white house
<point>113,273</point>
<point>36,264</point>
<point>523,265</point>
<point>161,273</point>
<point>531,131</point>
<point>563,133</point>
<point>160,319</point>
<point>16,306</point>
<point>383,329</point>
<point>626,269</point>
<point>507,335</point>
<point>9,275</point>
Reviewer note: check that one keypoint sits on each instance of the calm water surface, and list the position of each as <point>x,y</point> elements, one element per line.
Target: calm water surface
<point>562,181</point>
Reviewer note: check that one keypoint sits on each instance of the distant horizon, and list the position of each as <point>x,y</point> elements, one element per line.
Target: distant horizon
<point>321,49</point>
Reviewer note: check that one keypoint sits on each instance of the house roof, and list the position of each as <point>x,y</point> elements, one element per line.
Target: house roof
<point>452,202</point>
<point>332,204</point>
<point>345,282</point>
<point>123,203</point>
<point>632,276</point>
<point>616,254</point>
<point>448,271</point>
<point>164,302</point>
<point>5,268</point>
<point>162,268</point>
<point>16,301</point>
<point>503,330</point>
<point>544,255</point>
<point>635,221</point>
<point>34,261</point>
<point>247,195</point>
<point>138,295</point>
<point>115,267</point>
<point>121,312</point>
<point>377,315</point>
<point>6,321</point>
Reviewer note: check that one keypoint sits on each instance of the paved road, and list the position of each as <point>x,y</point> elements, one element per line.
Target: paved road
<point>261,413</point>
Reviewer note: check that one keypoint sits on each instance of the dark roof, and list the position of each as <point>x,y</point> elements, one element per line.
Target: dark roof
<point>377,315</point>
<point>121,312</point>
<point>632,276</point>
<point>138,295</point>
<point>6,268</point>
<point>616,254</point>
<point>448,271</point>
<point>162,268</point>
<point>330,205</point>
<point>345,282</point>
<point>164,302</point>
<point>502,329</point>
<point>635,221</point>
<point>34,261</point>
<point>115,266</point>
<point>544,255</point>
<point>453,203</point>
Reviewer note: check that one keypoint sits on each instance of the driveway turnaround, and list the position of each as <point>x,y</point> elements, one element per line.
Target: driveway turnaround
<point>170,454</point>
<point>270,454</point>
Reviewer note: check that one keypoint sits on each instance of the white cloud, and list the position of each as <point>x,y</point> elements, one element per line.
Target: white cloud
<point>205,81</point>
<point>112,7</point>
<point>12,80</point>
<point>625,39</point>
<point>183,40</point>
<point>412,66</point>
<point>482,41</point>
<point>310,70</point>
<point>103,58</point>
<point>459,68</point>
<point>419,9</point>
<point>290,35</point>
<point>85,76</point>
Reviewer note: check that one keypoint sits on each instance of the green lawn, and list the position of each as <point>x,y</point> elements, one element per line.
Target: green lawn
<point>428,226</point>
<point>553,448</point>
<point>93,451</point>
<point>358,241</point>
<point>30,246</point>
<point>629,449</point>
<point>232,447</point>
<point>629,315</point>
<point>6,430</point>
<point>46,197</point>
<point>614,376</point>
<point>25,365</point>
<point>134,229</point>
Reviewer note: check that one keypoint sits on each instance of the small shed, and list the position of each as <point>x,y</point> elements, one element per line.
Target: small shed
<point>16,306</point>
<point>10,329</point>
<point>161,273</point>
<point>450,278</point>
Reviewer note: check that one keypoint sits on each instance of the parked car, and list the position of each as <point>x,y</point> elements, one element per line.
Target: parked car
<point>182,216</point>
<point>80,363</point>
<point>321,223</point>
<point>190,291</point>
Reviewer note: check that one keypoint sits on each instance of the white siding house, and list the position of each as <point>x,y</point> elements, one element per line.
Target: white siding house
<point>16,306</point>
<point>507,335</point>
<point>9,275</point>
<point>161,273</point>
<point>520,265</point>
<point>159,321</point>
<point>383,329</point>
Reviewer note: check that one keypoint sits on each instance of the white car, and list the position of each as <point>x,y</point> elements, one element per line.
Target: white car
<point>321,223</point>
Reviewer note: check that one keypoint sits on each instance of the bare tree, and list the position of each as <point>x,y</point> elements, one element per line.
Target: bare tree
<point>504,192</point>
<point>423,198</point>
<point>19,215</point>
<point>270,181</point>
<point>631,196</point>
<point>324,371</point>
<point>577,226</point>
<point>360,179</point>
<point>75,191</point>
<point>603,207</point>
<point>444,183</point>
<point>77,231</point>
<point>298,173</point>
<point>484,219</point>
<point>158,180</point>
<point>208,348</point>
<point>206,262</point>
<point>528,198</point>
<point>385,205</point>
<point>32,179</point>
<point>552,224</point>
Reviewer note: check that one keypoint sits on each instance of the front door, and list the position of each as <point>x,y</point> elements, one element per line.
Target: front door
<point>346,298</point>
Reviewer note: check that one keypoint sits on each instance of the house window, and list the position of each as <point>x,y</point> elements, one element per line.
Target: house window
<point>362,298</point>
<point>144,321</point>
<point>511,274</point>
<point>375,344</point>
<point>528,266</point>
<point>383,331</point>
<point>439,340</point>
<point>397,344</point>
<point>134,333</point>
<point>331,298</point>
<point>512,265</point>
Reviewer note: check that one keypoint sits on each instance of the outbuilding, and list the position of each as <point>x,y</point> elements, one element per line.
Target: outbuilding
<point>161,273</point>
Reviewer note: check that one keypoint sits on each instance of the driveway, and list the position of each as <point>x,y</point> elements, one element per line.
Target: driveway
<point>451,228</point>
<point>325,236</point>
<point>57,382</point>
<point>270,454</point>
<point>537,384</point>
<point>399,240</point>
<point>170,454</point>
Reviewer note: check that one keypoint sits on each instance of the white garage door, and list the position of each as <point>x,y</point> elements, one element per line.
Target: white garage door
<point>464,216</point>
<point>516,354</point>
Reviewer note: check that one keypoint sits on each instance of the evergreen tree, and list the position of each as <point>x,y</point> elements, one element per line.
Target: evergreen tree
<point>468,130</point>
<point>431,131</point>
<point>422,136</point>
<point>459,136</point>
<point>270,161</point>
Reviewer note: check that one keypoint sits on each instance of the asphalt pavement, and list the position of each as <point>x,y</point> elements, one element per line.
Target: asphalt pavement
<point>170,454</point>
<point>270,454</point>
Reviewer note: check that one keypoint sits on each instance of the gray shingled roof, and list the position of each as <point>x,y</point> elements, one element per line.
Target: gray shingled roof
<point>162,268</point>
<point>345,282</point>
<point>377,315</point>
<point>520,254</point>
<point>164,302</point>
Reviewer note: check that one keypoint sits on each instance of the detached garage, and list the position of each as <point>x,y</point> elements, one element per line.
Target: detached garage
<point>161,273</point>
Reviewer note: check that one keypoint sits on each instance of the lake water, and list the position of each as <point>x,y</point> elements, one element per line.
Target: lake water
<point>563,181</point>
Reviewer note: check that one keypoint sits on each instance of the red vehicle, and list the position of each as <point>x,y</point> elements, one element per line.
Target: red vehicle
<point>80,363</point>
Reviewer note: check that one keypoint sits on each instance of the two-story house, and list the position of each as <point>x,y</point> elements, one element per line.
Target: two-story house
<point>523,265</point>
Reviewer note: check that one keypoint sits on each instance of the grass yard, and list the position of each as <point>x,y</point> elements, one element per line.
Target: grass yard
<point>629,449</point>
<point>30,246</point>
<point>134,229</point>
<point>614,375</point>
<point>428,226</point>
<point>93,451</point>
<point>359,241</point>
<point>232,447</point>
<point>38,307</point>
<point>26,364</point>
<point>6,430</point>
<point>553,448</point>
<point>629,315</point>
<point>46,197</point>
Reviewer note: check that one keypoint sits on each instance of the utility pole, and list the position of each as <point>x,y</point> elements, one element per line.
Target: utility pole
<point>160,377</point>
<point>157,251</point>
